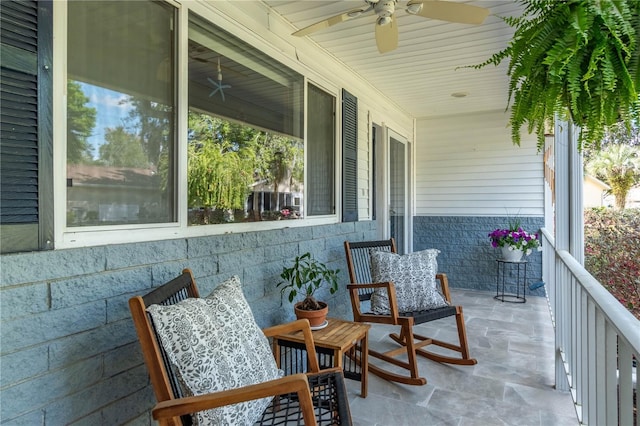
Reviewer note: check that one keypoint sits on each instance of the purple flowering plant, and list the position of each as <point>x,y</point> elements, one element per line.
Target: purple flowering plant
<point>515,238</point>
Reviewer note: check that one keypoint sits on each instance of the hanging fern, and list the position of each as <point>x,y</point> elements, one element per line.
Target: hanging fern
<point>576,58</point>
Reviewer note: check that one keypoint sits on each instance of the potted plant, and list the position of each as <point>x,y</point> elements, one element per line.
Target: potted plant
<point>514,242</point>
<point>306,276</point>
<point>579,59</point>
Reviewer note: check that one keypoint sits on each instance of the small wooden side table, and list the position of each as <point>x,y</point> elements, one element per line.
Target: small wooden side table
<point>340,344</point>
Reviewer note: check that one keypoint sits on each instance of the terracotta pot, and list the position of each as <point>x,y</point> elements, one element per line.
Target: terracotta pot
<point>316,318</point>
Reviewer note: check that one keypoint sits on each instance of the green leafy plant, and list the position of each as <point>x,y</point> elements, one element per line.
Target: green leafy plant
<point>612,252</point>
<point>619,166</point>
<point>575,58</point>
<point>306,276</point>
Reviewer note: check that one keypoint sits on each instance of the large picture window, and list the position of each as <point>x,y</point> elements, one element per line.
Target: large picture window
<point>250,155</point>
<point>120,113</point>
<point>246,150</point>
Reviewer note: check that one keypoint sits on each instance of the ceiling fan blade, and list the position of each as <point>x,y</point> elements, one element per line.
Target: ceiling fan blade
<point>452,12</point>
<point>387,36</point>
<point>332,21</point>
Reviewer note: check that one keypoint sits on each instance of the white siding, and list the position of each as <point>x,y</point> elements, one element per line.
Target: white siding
<point>365,166</point>
<point>466,165</point>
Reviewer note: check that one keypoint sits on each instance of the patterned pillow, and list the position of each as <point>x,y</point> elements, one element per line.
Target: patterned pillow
<point>414,278</point>
<point>215,344</point>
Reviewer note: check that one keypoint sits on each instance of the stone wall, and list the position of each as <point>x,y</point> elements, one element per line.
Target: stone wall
<point>68,351</point>
<point>466,255</point>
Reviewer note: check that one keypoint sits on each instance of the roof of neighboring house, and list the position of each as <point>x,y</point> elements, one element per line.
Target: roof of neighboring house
<point>596,182</point>
<point>97,175</point>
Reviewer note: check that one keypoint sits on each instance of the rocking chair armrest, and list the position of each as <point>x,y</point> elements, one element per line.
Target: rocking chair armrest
<point>444,285</point>
<point>291,327</point>
<point>391,292</point>
<point>166,411</point>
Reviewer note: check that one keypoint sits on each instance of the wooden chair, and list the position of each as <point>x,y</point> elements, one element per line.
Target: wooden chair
<point>361,289</point>
<point>318,397</point>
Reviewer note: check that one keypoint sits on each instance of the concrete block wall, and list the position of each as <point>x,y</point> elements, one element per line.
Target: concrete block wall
<point>466,254</point>
<point>68,351</point>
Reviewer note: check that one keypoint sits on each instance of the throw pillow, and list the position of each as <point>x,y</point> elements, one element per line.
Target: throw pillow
<point>215,344</point>
<point>414,278</point>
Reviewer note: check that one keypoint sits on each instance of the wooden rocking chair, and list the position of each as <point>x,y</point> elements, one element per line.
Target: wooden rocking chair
<point>361,289</point>
<point>317,397</point>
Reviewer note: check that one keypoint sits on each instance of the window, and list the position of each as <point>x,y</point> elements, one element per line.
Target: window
<point>321,130</point>
<point>245,146</point>
<point>120,113</point>
<point>245,153</point>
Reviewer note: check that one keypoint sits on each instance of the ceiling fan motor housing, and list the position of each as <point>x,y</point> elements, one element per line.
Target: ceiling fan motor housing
<point>385,9</point>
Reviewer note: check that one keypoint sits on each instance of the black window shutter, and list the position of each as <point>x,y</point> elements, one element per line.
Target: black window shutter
<point>25,126</point>
<point>349,157</point>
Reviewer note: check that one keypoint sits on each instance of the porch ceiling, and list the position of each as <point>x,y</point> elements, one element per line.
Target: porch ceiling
<point>420,75</point>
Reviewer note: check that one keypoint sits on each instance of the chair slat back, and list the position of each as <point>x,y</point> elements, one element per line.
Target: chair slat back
<point>359,262</point>
<point>160,368</point>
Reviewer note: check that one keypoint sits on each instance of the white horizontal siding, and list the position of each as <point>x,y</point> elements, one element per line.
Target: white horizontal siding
<point>364,163</point>
<point>466,165</point>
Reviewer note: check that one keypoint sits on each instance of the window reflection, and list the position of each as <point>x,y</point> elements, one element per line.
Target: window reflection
<point>120,106</point>
<point>245,148</point>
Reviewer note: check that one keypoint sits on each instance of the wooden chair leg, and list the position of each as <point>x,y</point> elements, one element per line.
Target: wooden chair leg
<point>422,341</point>
<point>408,348</point>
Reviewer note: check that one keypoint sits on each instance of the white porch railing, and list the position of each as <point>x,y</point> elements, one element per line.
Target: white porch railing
<point>597,341</point>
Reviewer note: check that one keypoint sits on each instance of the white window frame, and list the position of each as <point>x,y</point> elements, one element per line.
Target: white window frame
<point>69,237</point>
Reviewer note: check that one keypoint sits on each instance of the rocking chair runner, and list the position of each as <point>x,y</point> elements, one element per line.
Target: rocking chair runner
<point>318,397</point>
<point>361,289</point>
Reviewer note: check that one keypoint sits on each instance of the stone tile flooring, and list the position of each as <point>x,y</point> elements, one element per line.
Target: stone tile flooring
<point>512,384</point>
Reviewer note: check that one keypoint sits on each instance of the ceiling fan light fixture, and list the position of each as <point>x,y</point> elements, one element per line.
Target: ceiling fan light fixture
<point>414,8</point>
<point>384,20</point>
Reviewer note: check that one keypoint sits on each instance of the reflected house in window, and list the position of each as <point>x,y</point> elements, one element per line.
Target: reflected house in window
<point>99,195</point>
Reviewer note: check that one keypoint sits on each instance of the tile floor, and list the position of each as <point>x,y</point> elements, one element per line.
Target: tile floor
<point>512,384</point>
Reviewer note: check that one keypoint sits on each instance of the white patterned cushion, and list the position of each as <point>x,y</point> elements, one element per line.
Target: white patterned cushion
<point>414,278</point>
<point>215,344</point>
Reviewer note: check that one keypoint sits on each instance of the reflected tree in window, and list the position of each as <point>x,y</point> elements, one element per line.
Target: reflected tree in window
<point>81,120</point>
<point>236,172</point>
<point>122,149</point>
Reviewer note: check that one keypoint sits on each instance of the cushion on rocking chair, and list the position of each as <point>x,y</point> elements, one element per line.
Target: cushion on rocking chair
<point>414,279</point>
<point>215,344</point>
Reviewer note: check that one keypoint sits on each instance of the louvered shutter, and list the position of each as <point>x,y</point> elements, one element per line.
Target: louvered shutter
<point>349,157</point>
<point>25,126</point>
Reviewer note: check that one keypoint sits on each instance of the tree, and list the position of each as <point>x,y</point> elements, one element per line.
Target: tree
<point>619,166</point>
<point>576,58</point>
<point>220,169</point>
<point>152,122</point>
<point>81,120</point>
<point>122,149</point>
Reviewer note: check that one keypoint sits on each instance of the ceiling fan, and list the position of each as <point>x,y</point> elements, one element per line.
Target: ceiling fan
<point>386,27</point>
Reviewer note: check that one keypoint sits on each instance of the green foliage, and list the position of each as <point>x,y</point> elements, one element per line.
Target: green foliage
<point>226,159</point>
<point>81,120</point>
<point>619,166</point>
<point>612,252</point>
<point>575,58</point>
<point>306,276</point>
<point>122,149</point>
<point>153,125</point>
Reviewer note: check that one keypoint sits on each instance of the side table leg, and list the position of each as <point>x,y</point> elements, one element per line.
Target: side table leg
<point>364,365</point>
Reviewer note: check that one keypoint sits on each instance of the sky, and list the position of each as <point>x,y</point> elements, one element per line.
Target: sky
<point>112,110</point>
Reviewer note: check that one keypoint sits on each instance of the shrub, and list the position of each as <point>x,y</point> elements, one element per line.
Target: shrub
<point>612,252</point>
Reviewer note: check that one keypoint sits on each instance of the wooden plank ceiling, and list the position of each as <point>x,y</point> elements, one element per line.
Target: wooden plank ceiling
<point>423,72</point>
